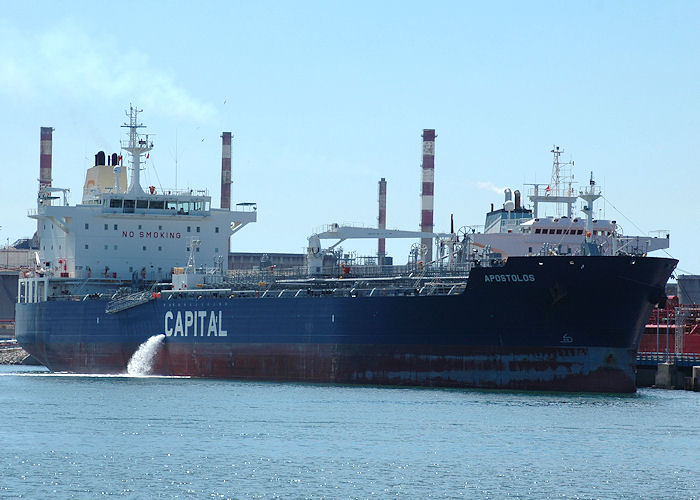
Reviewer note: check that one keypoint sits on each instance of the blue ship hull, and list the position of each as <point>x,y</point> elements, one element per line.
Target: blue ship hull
<point>554,323</point>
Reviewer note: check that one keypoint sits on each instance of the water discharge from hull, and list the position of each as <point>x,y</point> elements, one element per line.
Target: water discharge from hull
<point>141,363</point>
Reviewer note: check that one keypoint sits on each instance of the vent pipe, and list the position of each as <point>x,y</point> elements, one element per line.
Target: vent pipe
<point>381,247</point>
<point>226,170</point>
<point>427,191</point>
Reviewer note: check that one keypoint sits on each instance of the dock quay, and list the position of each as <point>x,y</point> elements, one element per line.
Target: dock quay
<point>668,370</point>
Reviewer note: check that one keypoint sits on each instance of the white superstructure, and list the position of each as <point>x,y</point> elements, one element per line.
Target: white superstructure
<point>127,234</point>
<point>516,230</point>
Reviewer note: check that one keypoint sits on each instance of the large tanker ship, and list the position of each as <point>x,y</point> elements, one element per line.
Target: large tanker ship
<point>112,275</point>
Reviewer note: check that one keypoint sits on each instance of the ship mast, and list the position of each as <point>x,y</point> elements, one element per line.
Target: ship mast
<point>138,145</point>
<point>589,196</point>
<point>560,191</point>
<point>561,176</point>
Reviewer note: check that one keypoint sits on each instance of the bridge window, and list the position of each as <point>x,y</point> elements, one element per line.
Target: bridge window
<point>115,227</point>
<point>115,203</point>
<point>106,227</point>
<point>216,229</point>
<point>558,231</point>
<point>189,229</point>
<point>129,206</point>
<point>87,226</point>
<point>157,205</point>
<point>141,203</point>
<point>197,228</point>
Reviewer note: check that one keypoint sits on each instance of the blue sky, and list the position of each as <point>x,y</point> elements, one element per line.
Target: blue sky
<point>325,98</point>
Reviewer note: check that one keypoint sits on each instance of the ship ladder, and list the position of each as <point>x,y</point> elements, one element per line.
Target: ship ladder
<point>133,300</point>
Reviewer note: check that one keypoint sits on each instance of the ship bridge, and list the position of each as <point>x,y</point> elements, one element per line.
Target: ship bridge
<point>169,203</point>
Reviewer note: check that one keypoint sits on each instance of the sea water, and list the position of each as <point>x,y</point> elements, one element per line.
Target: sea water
<point>68,436</point>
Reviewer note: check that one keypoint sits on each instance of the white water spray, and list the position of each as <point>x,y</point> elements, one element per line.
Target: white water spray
<point>141,363</point>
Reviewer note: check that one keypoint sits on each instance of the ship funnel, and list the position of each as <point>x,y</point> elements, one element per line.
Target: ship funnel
<point>100,158</point>
<point>517,199</point>
<point>226,170</point>
<point>508,204</point>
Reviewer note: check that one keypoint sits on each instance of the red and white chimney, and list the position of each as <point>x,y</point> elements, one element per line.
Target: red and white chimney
<point>226,170</point>
<point>427,192</point>
<point>45,154</point>
<point>381,248</point>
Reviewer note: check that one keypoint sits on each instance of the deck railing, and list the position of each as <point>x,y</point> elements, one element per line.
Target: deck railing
<point>654,358</point>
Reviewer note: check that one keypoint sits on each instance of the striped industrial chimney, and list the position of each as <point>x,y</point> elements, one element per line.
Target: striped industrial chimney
<point>226,170</point>
<point>381,248</point>
<point>45,153</point>
<point>426,198</point>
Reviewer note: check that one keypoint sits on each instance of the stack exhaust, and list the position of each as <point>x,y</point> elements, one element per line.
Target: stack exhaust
<point>381,247</point>
<point>226,170</point>
<point>45,155</point>
<point>427,191</point>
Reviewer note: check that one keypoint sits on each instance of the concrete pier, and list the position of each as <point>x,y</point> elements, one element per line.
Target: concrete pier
<point>666,376</point>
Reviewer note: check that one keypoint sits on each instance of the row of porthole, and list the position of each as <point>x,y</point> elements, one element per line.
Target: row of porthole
<point>160,248</point>
<point>160,228</point>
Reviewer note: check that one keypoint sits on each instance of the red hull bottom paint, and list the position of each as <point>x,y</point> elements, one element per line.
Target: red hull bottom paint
<point>597,369</point>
